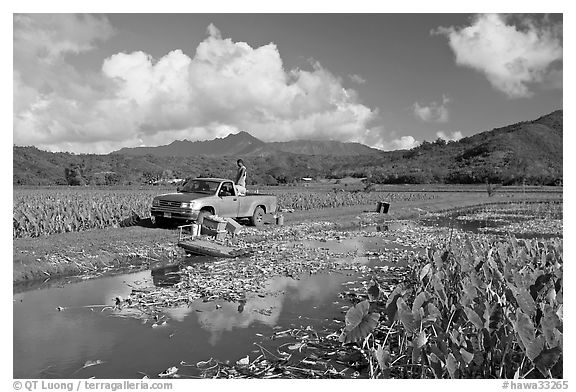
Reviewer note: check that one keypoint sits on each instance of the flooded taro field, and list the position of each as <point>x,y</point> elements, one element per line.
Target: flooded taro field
<point>276,313</point>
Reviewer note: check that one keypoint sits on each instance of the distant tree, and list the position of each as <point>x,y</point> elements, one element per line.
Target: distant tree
<point>440,142</point>
<point>149,177</point>
<point>111,178</point>
<point>74,174</point>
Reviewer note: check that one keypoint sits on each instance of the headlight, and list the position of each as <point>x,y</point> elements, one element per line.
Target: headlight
<point>189,204</point>
<point>155,202</point>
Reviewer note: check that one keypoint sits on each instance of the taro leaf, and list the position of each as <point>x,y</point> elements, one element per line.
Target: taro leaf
<point>420,340</point>
<point>560,312</point>
<point>487,341</point>
<point>437,352</point>
<point>93,363</point>
<point>551,296</point>
<point>433,311</point>
<point>204,364</point>
<point>468,357</point>
<point>392,297</point>
<point>495,316</point>
<point>169,372</point>
<point>455,337</point>
<point>374,291</point>
<point>526,332</point>
<point>297,346</point>
<point>243,361</point>
<point>451,365</point>
<point>474,318</point>
<point>558,285</point>
<point>507,271</point>
<point>547,359</point>
<point>383,357</point>
<point>359,323</point>
<point>419,301</point>
<point>425,271</point>
<point>416,354</point>
<point>470,291</point>
<point>525,301</point>
<point>435,365</point>
<point>549,323</point>
<point>406,316</point>
<point>479,358</point>
<point>539,285</point>
<point>476,282</point>
<point>391,307</point>
<point>439,288</point>
<point>438,261</point>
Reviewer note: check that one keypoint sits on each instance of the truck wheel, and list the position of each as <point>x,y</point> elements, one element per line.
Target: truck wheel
<point>203,214</point>
<point>258,217</point>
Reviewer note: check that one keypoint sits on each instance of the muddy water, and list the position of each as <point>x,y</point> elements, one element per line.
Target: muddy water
<point>58,329</point>
<point>49,343</point>
<point>496,221</point>
<point>53,343</point>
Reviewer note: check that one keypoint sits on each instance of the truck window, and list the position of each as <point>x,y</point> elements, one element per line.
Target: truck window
<point>200,186</point>
<point>227,189</point>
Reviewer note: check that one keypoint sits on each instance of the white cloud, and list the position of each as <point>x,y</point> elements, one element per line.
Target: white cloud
<point>457,135</point>
<point>512,57</point>
<point>402,143</point>
<point>357,79</point>
<point>48,37</point>
<point>138,100</point>
<point>434,112</point>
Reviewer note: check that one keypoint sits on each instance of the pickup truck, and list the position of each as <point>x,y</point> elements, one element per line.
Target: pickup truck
<point>201,197</point>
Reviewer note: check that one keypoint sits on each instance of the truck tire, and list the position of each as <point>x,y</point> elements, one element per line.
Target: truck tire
<point>201,215</point>
<point>258,217</point>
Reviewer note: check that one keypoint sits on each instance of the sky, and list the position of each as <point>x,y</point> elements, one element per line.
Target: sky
<point>95,83</point>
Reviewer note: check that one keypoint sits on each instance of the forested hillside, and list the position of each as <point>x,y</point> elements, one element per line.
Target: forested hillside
<point>529,152</point>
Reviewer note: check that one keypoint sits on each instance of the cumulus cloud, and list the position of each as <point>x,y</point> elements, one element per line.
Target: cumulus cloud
<point>401,143</point>
<point>433,112</point>
<point>456,135</point>
<point>513,52</point>
<point>137,100</point>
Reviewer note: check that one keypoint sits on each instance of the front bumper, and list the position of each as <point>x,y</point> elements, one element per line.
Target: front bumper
<point>172,213</point>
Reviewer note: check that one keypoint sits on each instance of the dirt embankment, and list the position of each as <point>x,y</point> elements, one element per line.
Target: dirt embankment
<point>116,248</point>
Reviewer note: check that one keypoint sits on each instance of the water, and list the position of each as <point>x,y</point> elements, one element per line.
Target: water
<point>502,220</point>
<point>52,343</point>
<point>49,343</point>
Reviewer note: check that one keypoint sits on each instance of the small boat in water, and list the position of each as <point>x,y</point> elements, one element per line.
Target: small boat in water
<point>209,248</point>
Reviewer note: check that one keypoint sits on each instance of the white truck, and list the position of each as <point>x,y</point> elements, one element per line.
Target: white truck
<point>201,197</point>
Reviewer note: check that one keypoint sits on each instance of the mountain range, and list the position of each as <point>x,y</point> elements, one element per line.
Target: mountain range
<point>244,144</point>
<point>528,151</point>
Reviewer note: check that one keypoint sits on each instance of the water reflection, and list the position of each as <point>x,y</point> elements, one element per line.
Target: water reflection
<point>56,344</point>
<point>220,317</point>
<point>166,275</point>
<point>358,246</point>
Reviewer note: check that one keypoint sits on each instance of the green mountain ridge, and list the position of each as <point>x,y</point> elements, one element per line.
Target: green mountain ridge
<point>526,152</point>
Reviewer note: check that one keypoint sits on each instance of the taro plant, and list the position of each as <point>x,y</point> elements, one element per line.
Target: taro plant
<point>478,310</point>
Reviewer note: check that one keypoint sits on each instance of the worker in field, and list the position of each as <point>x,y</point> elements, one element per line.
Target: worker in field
<point>240,177</point>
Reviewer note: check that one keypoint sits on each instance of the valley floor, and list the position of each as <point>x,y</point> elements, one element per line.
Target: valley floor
<point>112,249</point>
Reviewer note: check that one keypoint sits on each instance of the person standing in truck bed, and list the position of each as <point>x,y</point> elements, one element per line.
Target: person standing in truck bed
<point>240,177</point>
